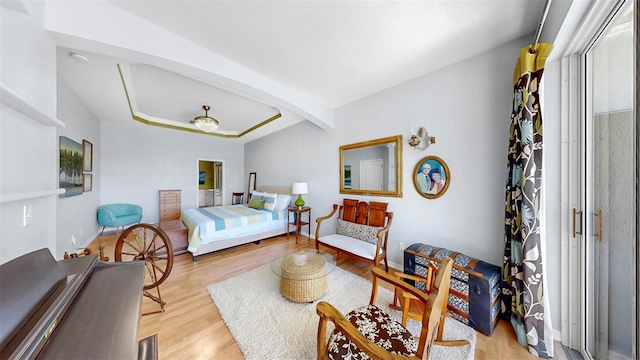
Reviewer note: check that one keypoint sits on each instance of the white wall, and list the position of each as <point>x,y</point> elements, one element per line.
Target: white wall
<point>28,159</point>
<point>77,214</point>
<point>139,160</point>
<point>28,163</point>
<point>466,106</point>
<point>28,57</point>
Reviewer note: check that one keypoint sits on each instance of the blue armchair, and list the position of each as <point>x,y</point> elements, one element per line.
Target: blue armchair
<point>116,215</point>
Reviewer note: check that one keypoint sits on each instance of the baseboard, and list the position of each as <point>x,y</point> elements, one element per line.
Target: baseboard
<point>106,231</point>
<point>557,335</point>
<point>91,239</point>
<point>617,356</point>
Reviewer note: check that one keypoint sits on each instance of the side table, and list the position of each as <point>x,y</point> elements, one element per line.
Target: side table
<point>303,274</point>
<point>177,233</point>
<point>298,222</point>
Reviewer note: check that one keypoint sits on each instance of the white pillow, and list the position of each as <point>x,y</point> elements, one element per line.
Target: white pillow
<point>257,195</point>
<point>269,201</point>
<point>282,202</point>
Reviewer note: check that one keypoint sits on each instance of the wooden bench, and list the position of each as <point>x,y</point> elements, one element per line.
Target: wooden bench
<point>362,230</point>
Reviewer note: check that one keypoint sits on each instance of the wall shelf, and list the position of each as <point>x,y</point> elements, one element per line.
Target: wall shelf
<point>15,100</point>
<point>29,195</point>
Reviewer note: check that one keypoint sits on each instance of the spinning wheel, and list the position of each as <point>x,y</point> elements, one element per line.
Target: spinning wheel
<point>148,243</point>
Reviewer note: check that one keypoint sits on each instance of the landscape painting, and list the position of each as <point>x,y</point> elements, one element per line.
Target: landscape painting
<point>347,176</point>
<point>70,170</point>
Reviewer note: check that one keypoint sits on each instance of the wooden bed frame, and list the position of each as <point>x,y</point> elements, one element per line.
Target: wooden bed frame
<point>225,244</point>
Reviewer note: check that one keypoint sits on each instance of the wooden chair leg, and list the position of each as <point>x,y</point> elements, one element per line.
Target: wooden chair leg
<point>439,341</point>
<point>405,312</point>
<point>451,342</point>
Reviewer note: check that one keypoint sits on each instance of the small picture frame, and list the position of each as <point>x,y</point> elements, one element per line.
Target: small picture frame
<point>431,177</point>
<point>87,182</point>
<point>347,176</point>
<point>87,156</point>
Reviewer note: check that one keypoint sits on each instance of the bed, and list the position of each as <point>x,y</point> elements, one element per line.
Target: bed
<point>221,227</point>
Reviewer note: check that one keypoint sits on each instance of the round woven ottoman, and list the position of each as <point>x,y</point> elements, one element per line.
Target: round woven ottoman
<point>306,282</point>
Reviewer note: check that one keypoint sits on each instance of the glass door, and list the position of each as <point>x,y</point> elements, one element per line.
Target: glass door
<point>609,191</point>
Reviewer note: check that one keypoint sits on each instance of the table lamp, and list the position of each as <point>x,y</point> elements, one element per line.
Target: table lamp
<point>299,188</point>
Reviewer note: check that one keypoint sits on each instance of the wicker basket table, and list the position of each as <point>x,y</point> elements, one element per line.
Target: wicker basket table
<point>306,280</point>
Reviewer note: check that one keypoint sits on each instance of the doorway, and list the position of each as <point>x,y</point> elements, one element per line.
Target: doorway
<point>605,212</point>
<point>371,174</point>
<point>210,183</point>
<point>609,193</point>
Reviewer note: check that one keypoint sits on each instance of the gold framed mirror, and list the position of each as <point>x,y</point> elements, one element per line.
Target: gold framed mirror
<point>372,168</point>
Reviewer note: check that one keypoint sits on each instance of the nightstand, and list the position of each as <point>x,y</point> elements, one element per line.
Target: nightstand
<point>298,222</point>
<point>177,233</point>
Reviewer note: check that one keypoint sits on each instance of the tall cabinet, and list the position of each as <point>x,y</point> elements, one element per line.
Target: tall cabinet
<point>170,205</point>
<point>170,209</point>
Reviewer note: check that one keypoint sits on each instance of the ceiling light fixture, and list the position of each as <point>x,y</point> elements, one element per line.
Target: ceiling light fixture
<point>80,57</point>
<point>206,123</point>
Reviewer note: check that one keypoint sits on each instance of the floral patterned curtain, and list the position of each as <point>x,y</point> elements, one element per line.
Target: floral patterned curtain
<point>524,295</point>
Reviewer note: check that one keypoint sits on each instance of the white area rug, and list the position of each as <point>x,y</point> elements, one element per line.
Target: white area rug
<point>267,326</point>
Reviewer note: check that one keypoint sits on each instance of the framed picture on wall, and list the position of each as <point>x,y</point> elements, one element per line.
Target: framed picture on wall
<point>87,156</point>
<point>87,182</point>
<point>347,176</point>
<point>431,177</point>
<point>70,169</point>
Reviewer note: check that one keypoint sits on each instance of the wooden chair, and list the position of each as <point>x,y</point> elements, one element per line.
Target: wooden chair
<point>348,338</point>
<point>237,198</point>
<point>412,308</point>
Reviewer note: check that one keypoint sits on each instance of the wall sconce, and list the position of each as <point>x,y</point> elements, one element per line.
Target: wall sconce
<point>421,140</point>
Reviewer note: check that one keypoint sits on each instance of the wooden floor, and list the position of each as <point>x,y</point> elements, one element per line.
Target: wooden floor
<point>191,327</point>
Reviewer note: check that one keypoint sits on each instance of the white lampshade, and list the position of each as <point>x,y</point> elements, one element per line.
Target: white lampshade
<point>299,188</point>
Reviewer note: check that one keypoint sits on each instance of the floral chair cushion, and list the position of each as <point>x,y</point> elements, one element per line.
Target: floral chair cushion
<point>376,326</point>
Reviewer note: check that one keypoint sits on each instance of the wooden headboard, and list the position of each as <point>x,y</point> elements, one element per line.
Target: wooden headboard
<point>275,189</point>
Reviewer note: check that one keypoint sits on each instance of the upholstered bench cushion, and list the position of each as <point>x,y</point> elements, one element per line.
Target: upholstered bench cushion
<point>376,326</point>
<point>362,232</point>
<point>349,244</point>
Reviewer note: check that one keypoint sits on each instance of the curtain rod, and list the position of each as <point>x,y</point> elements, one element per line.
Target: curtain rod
<point>547,5</point>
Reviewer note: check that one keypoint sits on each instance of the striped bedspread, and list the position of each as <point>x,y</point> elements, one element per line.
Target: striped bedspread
<point>210,219</point>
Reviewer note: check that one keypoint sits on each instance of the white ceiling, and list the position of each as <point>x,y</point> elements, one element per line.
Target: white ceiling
<point>251,59</point>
